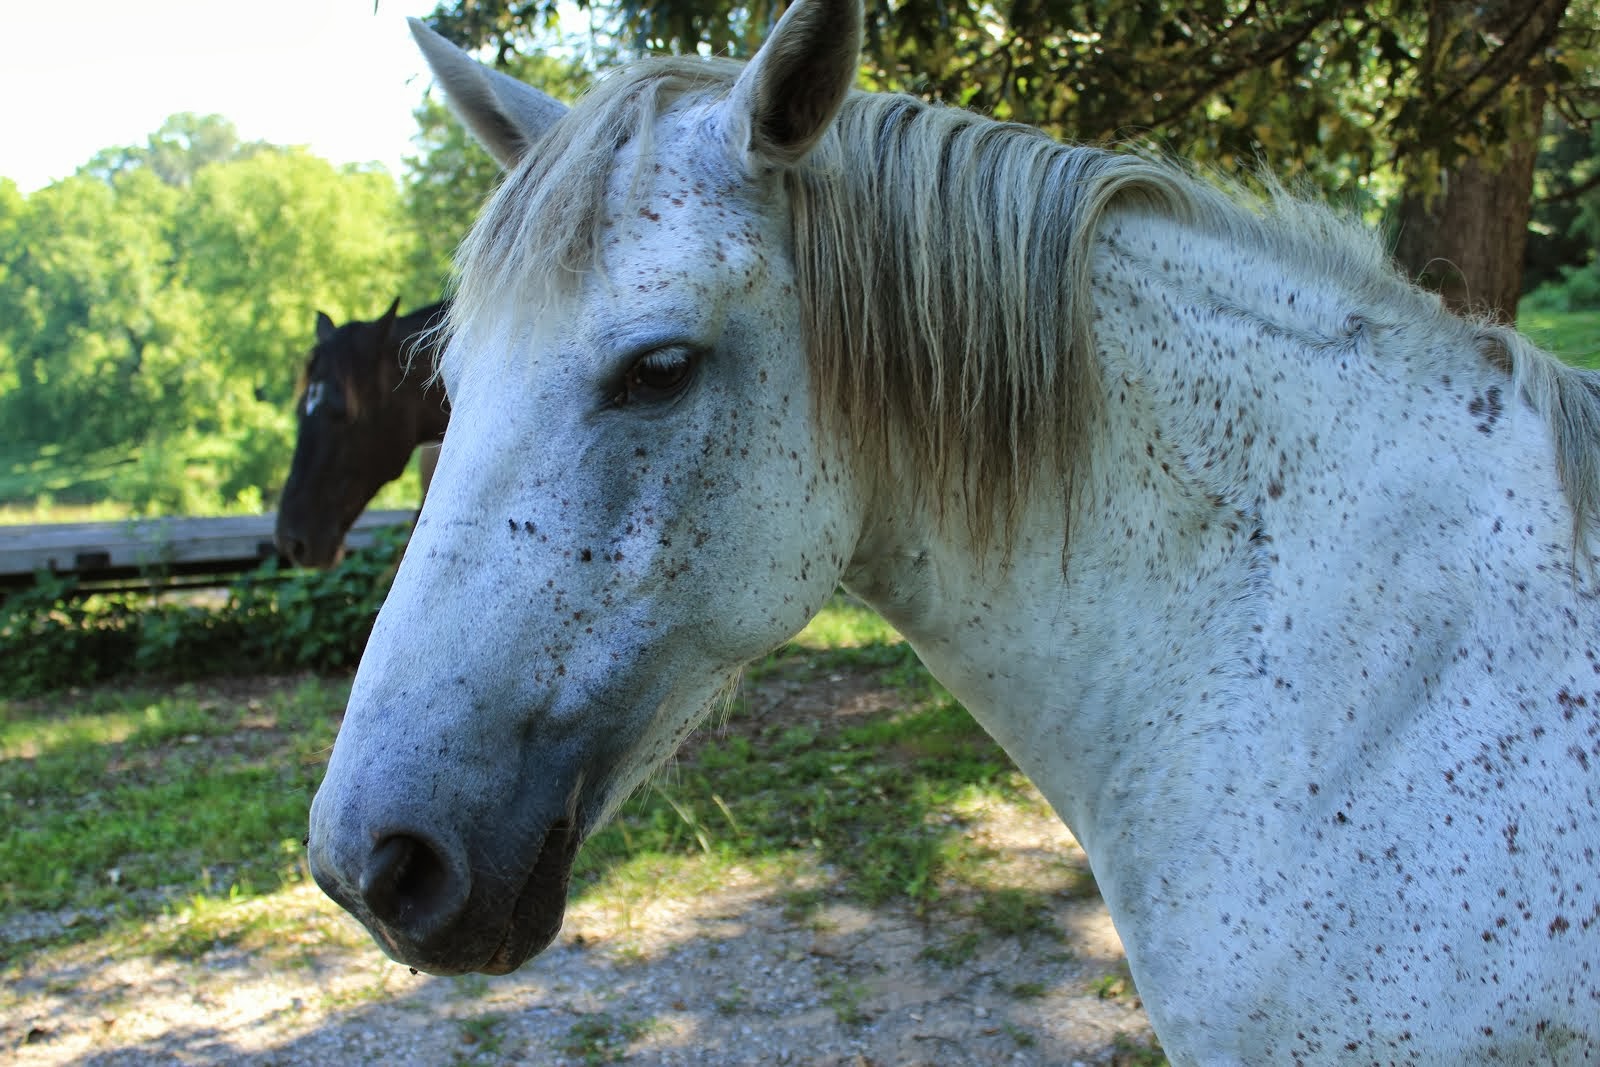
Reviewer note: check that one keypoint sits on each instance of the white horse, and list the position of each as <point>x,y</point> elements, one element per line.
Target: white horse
<point>1270,573</point>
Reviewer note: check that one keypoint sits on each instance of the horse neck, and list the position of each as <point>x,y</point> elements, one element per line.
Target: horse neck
<point>1057,648</point>
<point>421,390</point>
<point>432,407</point>
<point>1275,464</point>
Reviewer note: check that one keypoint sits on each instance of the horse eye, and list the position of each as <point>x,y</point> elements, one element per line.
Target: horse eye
<point>657,376</point>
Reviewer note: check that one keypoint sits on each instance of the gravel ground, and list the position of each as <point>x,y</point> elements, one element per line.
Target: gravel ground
<point>735,975</point>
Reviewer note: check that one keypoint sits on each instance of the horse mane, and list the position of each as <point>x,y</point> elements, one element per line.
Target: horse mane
<point>1569,399</point>
<point>944,262</point>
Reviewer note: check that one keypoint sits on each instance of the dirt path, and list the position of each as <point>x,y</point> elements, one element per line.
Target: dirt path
<point>737,974</point>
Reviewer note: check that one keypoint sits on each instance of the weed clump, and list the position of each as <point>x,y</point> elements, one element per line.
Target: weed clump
<point>270,620</point>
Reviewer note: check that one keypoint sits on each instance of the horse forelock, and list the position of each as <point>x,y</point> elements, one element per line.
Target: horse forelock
<point>944,265</point>
<point>539,232</point>
<point>335,361</point>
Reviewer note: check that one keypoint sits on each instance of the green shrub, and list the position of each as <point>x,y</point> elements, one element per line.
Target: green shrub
<point>49,638</point>
<point>272,620</point>
<point>1578,290</point>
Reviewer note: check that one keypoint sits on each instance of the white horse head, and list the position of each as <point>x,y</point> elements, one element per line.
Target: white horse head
<point>647,508</point>
<point>1255,560</point>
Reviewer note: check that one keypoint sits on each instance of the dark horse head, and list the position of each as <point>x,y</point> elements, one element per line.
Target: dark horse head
<point>368,401</point>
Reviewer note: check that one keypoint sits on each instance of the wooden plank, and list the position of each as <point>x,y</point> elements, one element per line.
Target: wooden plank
<point>189,545</point>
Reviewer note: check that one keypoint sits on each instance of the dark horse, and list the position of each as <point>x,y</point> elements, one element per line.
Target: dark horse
<point>368,401</point>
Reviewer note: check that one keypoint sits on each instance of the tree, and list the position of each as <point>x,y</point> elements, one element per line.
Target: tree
<point>158,306</point>
<point>1350,95</point>
<point>12,210</point>
<point>1469,137</point>
<point>1566,219</point>
<point>177,151</point>
<point>84,315</point>
<point>270,240</point>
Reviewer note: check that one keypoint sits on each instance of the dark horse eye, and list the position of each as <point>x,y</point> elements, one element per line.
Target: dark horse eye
<point>657,376</point>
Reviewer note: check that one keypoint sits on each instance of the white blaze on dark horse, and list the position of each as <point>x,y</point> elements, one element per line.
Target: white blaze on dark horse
<point>369,400</point>
<point>1274,576</point>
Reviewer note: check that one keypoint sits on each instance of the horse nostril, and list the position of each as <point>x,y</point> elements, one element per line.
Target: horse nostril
<point>408,884</point>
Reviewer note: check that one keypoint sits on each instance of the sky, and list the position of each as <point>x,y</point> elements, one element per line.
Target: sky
<point>77,76</point>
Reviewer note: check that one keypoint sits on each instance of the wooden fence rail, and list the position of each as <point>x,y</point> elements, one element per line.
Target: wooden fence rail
<point>163,553</point>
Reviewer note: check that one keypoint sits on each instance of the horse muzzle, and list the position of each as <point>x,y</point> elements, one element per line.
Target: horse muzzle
<point>439,902</point>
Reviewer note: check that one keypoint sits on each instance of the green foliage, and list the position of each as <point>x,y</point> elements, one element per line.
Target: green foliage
<point>49,639</point>
<point>1438,101</point>
<point>176,152</point>
<point>1331,90</point>
<point>85,314</point>
<point>271,240</point>
<point>955,952</point>
<point>1131,1052</point>
<point>160,302</point>
<point>446,183</point>
<point>1572,335</point>
<point>167,820</point>
<point>269,621</point>
<point>1564,242</point>
<point>601,1037</point>
<point>1011,912</point>
<point>861,796</point>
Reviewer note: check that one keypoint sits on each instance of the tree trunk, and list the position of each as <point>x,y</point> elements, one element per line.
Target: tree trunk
<point>1468,243</point>
<point>1463,230</point>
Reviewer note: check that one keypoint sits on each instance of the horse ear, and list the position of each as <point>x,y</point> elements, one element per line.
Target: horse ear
<point>505,115</point>
<point>385,321</point>
<point>325,327</point>
<point>793,87</point>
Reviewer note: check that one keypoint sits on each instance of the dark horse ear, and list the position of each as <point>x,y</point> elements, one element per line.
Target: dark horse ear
<point>386,320</point>
<point>505,115</point>
<point>325,327</point>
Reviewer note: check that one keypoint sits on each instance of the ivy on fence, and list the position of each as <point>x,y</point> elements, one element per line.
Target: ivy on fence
<point>268,620</point>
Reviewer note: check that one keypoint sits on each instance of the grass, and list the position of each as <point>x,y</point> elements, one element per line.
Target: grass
<point>1117,985</point>
<point>602,1037</point>
<point>1572,335</point>
<point>37,511</point>
<point>166,822</point>
<point>846,998</point>
<point>861,798</point>
<point>846,623</point>
<point>1129,1052</point>
<point>482,1033</point>
<point>955,951</point>
<point>1012,912</point>
<point>116,800</point>
<point>182,805</point>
